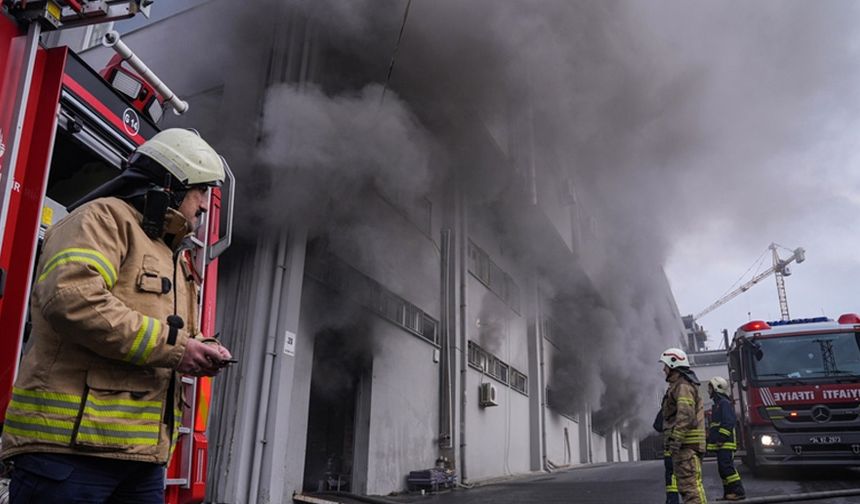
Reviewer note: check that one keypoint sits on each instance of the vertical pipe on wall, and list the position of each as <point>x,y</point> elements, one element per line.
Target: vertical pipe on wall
<point>541,376</point>
<point>463,238</point>
<point>446,414</point>
<point>266,385</point>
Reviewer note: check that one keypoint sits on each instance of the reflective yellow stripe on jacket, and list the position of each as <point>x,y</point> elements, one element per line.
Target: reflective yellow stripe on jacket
<point>116,434</point>
<point>144,341</point>
<point>29,414</point>
<point>694,436</point>
<point>105,422</point>
<point>687,400</point>
<point>728,445</point>
<point>122,408</point>
<point>89,257</point>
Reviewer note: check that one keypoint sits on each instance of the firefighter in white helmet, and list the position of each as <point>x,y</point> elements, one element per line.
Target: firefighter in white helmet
<point>721,438</point>
<point>684,425</point>
<point>96,405</point>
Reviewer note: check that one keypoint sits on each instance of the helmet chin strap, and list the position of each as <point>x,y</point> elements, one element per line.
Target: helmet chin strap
<point>180,242</point>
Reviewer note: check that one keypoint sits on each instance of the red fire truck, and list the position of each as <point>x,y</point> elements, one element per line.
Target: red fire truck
<point>796,386</point>
<point>64,130</point>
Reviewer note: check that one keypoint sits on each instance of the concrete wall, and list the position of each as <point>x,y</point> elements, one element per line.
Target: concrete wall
<point>498,440</point>
<point>556,451</point>
<point>598,448</point>
<point>404,409</point>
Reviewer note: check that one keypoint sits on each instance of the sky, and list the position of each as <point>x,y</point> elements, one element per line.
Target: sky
<point>781,166</point>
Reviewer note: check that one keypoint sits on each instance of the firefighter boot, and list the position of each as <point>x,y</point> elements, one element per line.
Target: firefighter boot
<point>735,492</point>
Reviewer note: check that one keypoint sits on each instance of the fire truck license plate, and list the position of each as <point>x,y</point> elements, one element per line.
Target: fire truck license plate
<point>825,439</point>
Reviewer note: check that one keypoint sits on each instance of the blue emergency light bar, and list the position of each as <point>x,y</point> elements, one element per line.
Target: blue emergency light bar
<point>799,321</point>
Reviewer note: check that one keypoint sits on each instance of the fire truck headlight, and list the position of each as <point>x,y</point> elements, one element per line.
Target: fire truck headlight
<point>770,440</point>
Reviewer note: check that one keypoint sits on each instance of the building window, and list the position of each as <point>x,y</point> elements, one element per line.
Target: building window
<point>492,366</point>
<point>361,289</point>
<point>551,331</point>
<point>429,328</point>
<point>418,211</point>
<point>556,404</point>
<point>493,277</point>
<point>513,294</point>
<point>519,382</point>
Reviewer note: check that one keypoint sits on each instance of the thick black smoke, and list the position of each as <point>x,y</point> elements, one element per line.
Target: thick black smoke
<point>648,107</point>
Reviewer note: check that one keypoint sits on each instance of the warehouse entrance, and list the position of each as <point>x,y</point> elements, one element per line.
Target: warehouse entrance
<point>338,413</point>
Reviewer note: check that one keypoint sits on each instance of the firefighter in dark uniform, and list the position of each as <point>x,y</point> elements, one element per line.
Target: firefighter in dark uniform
<point>671,481</point>
<point>721,438</point>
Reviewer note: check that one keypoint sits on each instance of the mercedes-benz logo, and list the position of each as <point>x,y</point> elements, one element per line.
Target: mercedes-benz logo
<point>821,414</point>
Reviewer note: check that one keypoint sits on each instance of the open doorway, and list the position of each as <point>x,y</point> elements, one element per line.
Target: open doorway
<point>338,428</point>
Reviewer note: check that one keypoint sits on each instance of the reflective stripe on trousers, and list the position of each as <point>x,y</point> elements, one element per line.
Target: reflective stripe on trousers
<point>687,467</point>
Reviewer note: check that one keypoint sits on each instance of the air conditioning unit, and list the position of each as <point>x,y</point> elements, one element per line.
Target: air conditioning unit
<point>487,395</point>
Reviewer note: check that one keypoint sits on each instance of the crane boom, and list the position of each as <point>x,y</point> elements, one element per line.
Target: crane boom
<point>780,268</point>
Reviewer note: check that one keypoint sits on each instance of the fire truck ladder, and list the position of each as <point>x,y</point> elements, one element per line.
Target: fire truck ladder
<point>779,269</point>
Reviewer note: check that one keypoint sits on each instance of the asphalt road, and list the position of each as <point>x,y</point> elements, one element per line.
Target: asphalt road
<point>636,483</point>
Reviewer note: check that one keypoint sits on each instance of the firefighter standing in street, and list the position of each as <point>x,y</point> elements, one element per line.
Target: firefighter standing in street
<point>721,438</point>
<point>96,406</point>
<point>669,474</point>
<point>684,425</point>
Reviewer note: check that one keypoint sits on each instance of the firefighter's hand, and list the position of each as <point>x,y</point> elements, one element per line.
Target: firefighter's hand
<point>674,446</point>
<point>226,357</point>
<point>201,359</point>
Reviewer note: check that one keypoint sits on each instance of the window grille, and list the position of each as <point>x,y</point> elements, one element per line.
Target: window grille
<point>360,288</point>
<point>519,382</point>
<point>493,277</point>
<point>497,369</point>
<point>554,403</point>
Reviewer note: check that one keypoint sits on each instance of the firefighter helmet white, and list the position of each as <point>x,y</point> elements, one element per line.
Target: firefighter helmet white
<point>674,358</point>
<point>185,155</point>
<point>719,384</point>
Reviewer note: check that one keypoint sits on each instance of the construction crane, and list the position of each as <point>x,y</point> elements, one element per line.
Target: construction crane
<point>779,269</point>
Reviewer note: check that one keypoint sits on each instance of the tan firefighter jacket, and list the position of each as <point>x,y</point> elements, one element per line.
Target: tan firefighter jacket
<point>683,415</point>
<point>97,375</point>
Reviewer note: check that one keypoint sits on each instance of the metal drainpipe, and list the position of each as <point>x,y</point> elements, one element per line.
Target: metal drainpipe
<point>446,423</point>
<point>112,40</point>
<point>542,377</point>
<point>268,364</point>
<point>464,349</point>
<point>450,346</point>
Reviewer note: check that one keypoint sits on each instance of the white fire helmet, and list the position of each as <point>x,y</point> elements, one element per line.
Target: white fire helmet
<point>719,384</point>
<point>674,358</point>
<point>185,155</point>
